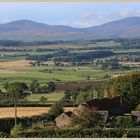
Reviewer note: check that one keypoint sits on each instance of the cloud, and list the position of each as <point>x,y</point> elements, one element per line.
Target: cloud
<point>123,14</point>
<point>85,19</point>
<point>88,19</point>
<point>3,21</point>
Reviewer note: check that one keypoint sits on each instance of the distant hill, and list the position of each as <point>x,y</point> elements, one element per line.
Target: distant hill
<point>27,30</point>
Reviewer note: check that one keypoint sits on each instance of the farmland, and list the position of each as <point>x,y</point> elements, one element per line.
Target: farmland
<point>17,63</point>
<point>57,78</point>
<point>26,111</point>
<point>56,96</point>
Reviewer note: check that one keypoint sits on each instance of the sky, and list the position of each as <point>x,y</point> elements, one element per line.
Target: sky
<point>71,14</point>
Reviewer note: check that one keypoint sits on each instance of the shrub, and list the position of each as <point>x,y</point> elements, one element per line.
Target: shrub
<point>57,108</point>
<point>124,121</point>
<point>16,130</point>
<point>87,119</point>
<point>4,135</point>
<point>137,107</point>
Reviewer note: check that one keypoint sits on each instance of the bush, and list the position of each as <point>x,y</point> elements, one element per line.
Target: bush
<point>6,124</point>
<point>57,108</point>
<point>87,119</point>
<point>4,135</point>
<point>16,130</point>
<point>137,107</point>
<point>124,121</point>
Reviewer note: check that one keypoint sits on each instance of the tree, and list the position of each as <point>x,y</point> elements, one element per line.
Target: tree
<point>17,91</point>
<point>128,86</point>
<point>71,95</point>
<point>87,119</point>
<point>57,108</point>
<point>34,86</point>
<point>83,97</point>
<point>51,86</point>
<point>43,99</point>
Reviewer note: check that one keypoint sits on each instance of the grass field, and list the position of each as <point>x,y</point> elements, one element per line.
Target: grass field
<point>20,70</point>
<point>55,96</point>
<point>16,68</point>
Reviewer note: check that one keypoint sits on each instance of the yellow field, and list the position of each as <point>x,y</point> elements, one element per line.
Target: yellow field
<point>17,63</point>
<point>26,111</point>
<point>131,64</point>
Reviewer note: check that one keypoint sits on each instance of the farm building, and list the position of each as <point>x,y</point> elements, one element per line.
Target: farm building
<point>64,119</point>
<point>116,103</point>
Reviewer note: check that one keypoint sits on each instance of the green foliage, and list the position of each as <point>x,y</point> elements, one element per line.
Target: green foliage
<point>71,95</point>
<point>16,130</point>
<point>57,108</point>
<point>124,121</point>
<point>4,135</point>
<point>83,97</point>
<point>43,99</point>
<point>51,86</point>
<point>128,86</point>
<point>87,119</point>
<point>137,107</point>
<point>17,89</point>
<point>34,86</point>
<point>82,133</point>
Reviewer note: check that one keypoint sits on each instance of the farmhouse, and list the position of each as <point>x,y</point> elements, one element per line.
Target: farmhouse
<point>64,119</point>
<point>116,103</point>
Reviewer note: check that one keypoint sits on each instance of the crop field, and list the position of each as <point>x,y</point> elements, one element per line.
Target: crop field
<point>14,67</point>
<point>26,111</point>
<point>21,69</point>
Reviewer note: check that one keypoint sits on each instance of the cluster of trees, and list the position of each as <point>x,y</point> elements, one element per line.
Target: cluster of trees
<point>14,50</point>
<point>63,55</point>
<point>78,57</point>
<point>12,43</point>
<point>35,87</point>
<point>107,64</point>
<point>130,43</point>
<point>130,58</point>
<point>80,95</point>
<point>45,50</point>
<point>39,57</point>
<point>128,86</point>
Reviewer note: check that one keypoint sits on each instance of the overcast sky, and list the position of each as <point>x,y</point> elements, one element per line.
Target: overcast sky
<point>73,14</point>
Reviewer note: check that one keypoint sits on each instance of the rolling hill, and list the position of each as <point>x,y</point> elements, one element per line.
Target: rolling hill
<point>27,30</point>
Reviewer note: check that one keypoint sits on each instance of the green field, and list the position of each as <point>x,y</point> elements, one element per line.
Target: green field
<point>59,74</point>
<point>55,96</point>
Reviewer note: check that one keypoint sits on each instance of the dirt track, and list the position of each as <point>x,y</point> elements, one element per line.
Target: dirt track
<point>26,111</point>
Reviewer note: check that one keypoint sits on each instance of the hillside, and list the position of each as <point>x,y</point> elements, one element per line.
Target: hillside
<point>27,30</point>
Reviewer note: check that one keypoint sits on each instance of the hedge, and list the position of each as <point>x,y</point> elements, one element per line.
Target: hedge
<point>4,135</point>
<point>82,133</point>
<point>34,104</point>
<point>6,124</point>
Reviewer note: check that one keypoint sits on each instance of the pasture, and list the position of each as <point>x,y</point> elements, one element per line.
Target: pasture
<point>55,96</point>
